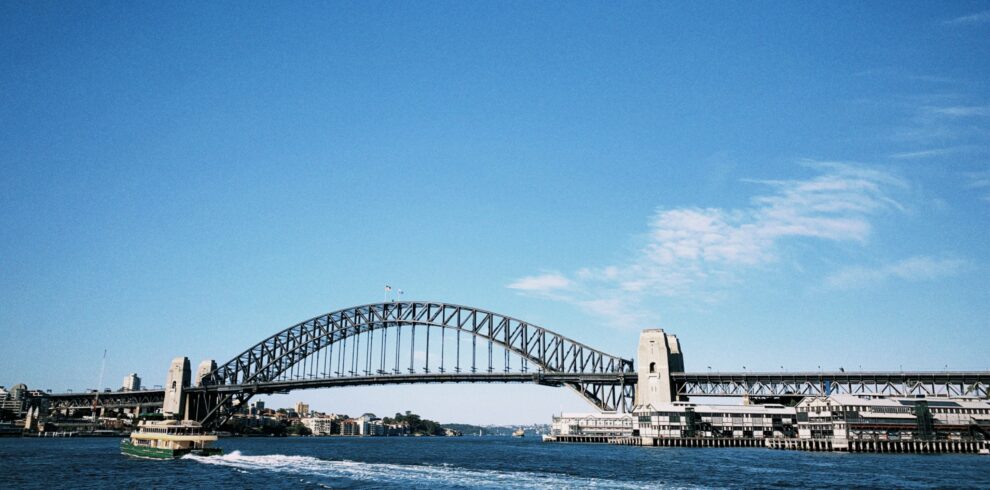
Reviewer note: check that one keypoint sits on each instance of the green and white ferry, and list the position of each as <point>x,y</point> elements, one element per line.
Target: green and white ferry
<point>168,439</point>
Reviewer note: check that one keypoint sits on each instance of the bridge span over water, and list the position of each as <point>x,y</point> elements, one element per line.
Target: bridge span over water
<point>429,342</point>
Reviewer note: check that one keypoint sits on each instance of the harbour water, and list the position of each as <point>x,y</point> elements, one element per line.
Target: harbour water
<point>472,462</point>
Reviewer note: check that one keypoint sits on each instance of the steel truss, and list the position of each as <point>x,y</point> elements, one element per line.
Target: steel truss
<point>378,344</point>
<point>116,399</point>
<point>888,384</point>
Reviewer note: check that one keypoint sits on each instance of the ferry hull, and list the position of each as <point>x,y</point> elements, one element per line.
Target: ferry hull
<point>161,453</point>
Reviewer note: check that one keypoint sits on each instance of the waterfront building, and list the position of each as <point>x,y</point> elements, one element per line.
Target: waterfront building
<point>375,428</point>
<point>13,400</point>
<point>654,423</point>
<point>350,427</point>
<point>323,426</point>
<point>396,429</point>
<point>131,383</point>
<point>834,423</point>
<point>841,419</point>
<point>691,420</point>
<point>369,425</point>
<point>597,427</point>
<point>18,391</point>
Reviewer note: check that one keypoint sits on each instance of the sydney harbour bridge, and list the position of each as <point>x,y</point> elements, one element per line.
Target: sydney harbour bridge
<point>428,342</point>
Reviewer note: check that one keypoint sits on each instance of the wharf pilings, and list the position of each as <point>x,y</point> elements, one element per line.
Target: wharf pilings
<point>830,445</point>
<point>687,441</point>
<point>881,446</point>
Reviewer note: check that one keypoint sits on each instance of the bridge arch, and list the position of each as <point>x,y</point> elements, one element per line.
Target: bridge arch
<point>273,359</point>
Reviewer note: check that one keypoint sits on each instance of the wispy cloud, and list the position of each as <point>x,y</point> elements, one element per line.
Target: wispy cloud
<point>977,18</point>
<point>933,79</point>
<point>962,110</point>
<point>894,72</point>
<point>935,152</point>
<point>916,155</point>
<point>980,181</point>
<point>941,122</point>
<point>920,268</point>
<point>695,252</point>
<point>541,283</point>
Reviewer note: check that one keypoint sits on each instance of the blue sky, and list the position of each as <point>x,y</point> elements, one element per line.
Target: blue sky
<point>779,184</point>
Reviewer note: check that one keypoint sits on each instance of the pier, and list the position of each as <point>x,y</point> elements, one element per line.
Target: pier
<point>881,446</point>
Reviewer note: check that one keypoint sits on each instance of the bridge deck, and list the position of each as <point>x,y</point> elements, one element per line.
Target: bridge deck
<point>839,376</point>
<point>796,385</point>
<point>551,379</point>
<point>729,384</point>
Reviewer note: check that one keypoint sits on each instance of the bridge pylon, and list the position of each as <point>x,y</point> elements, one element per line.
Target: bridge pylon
<point>182,403</point>
<point>658,356</point>
<point>198,404</point>
<point>178,379</point>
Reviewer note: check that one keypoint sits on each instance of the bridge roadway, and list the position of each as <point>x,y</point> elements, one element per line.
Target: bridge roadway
<point>802,384</point>
<point>720,384</point>
<point>147,399</point>
<point>547,379</point>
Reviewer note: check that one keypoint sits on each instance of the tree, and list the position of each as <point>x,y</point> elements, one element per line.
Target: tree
<point>299,430</point>
<point>416,425</point>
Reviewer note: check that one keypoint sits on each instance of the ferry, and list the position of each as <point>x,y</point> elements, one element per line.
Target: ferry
<point>519,433</point>
<point>168,439</point>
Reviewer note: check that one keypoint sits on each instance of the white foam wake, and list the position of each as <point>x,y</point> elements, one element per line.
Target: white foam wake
<point>408,475</point>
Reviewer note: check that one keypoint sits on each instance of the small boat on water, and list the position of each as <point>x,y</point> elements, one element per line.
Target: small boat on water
<point>168,439</point>
<point>519,433</point>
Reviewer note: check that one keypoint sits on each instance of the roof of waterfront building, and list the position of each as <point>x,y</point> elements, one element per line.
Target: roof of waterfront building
<point>845,399</point>
<point>597,415</point>
<point>947,403</point>
<point>705,408</point>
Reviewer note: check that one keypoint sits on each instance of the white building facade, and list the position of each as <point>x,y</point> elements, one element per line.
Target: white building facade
<point>690,420</point>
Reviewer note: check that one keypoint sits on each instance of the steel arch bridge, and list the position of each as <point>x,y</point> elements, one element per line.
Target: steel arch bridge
<point>410,342</point>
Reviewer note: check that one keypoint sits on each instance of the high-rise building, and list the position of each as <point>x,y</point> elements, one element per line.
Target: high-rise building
<point>131,382</point>
<point>350,427</point>
<point>302,409</point>
<point>256,408</point>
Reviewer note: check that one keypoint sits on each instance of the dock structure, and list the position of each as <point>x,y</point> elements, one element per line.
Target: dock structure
<point>889,420</point>
<point>687,441</point>
<point>580,439</point>
<point>883,446</point>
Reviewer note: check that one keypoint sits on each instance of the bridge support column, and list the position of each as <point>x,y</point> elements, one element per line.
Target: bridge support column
<point>205,368</point>
<point>659,355</point>
<point>197,406</point>
<point>178,379</point>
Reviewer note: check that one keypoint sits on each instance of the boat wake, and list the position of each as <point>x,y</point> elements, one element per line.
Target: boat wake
<point>425,476</point>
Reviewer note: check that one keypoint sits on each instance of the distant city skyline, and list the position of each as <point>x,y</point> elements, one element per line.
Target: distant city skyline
<point>782,186</point>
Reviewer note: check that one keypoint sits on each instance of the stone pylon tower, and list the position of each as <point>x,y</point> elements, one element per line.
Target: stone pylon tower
<point>205,367</point>
<point>178,379</point>
<point>659,355</point>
